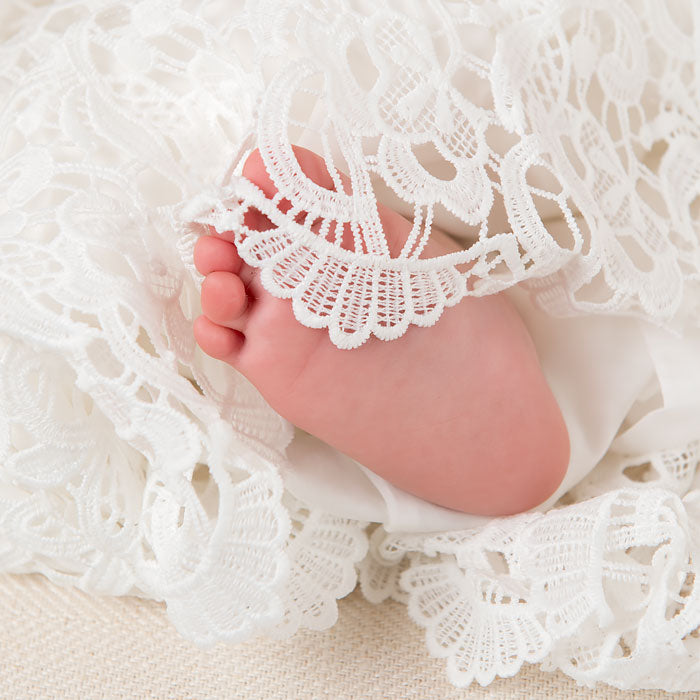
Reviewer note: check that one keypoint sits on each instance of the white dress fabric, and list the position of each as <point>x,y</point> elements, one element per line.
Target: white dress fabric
<point>558,141</point>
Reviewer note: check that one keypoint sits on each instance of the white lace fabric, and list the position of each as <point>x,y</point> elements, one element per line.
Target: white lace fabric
<point>558,141</point>
<point>547,136</point>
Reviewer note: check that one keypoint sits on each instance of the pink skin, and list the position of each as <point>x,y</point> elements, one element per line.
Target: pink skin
<point>458,413</point>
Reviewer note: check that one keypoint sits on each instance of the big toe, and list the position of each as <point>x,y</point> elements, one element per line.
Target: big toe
<point>311,165</point>
<point>224,298</point>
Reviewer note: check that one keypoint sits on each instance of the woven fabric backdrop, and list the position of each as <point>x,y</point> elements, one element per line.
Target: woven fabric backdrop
<point>62,644</point>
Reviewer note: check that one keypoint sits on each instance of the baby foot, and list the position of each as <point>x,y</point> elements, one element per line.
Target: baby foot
<point>459,414</point>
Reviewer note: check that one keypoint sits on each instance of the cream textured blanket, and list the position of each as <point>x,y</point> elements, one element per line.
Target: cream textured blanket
<point>60,643</point>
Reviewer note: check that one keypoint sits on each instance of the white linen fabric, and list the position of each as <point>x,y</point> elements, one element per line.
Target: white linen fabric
<point>559,141</point>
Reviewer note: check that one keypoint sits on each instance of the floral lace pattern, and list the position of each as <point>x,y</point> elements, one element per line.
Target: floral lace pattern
<point>130,463</point>
<point>603,590</point>
<point>548,137</point>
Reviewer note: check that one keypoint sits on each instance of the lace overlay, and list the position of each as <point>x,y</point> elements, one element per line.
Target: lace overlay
<point>557,141</point>
<point>549,137</point>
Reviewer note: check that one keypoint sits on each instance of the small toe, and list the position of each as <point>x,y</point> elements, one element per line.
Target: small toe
<point>224,298</point>
<point>217,341</point>
<point>212,253</point>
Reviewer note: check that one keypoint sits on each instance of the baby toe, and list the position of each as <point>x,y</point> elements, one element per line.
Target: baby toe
<point>217,341</point>
<point>224,298</point>
<point>212,253</point>
<point>311,164</point>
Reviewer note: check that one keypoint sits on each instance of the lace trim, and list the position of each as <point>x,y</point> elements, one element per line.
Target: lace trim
<point>527,156</point>
<point>335,289</point>
<point>598,589</point>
